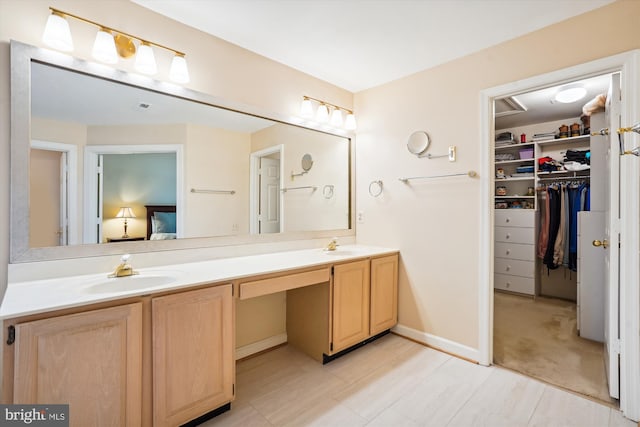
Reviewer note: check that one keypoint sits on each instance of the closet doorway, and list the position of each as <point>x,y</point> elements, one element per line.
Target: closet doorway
<point>553,252</point>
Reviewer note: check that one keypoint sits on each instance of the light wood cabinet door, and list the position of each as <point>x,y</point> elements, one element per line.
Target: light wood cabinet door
<point>384,293</point>
<point>193,354</point>
<point>350,323</point>
<point>91,361</point>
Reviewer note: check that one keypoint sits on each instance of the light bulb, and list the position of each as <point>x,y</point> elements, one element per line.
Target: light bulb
<point>322,115</point>
<point>179,72</point>
<point>336,118</point>
<point>104,48</point>
<point>145,60</point>
<point>350,122</point>
<point>306,109</point>
<point>57,34</point>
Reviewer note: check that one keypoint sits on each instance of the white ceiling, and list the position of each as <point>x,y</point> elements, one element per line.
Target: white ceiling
<point>358,44</point>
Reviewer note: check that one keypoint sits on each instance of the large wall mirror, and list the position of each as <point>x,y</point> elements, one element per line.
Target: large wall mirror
<point>102,158</point>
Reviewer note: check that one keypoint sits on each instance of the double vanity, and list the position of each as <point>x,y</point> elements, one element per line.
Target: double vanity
<point>157,348</point>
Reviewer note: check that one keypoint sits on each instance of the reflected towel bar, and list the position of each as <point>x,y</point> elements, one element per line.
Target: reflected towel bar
<point>193,190</point>
<point>470,174</point>
<point>313,187</point>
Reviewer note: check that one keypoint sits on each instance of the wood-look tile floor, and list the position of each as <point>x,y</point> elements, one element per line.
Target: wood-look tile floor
<point>396,382</point>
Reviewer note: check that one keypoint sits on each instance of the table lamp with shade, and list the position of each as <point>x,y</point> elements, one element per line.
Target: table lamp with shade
<point>126,213</point>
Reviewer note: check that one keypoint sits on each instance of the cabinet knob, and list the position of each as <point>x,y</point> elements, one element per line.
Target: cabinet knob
<point>508,267</point>
<point>508,220</point>
<point>508,236</point>
<point>508,284</point>
<point>508,251</point>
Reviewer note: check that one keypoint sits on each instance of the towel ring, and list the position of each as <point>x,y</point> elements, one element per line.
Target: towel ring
<point>375,188</point>
<point>327,191</point>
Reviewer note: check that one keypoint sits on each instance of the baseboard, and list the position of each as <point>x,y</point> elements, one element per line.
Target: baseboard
<point>257,347</point>
<point>438,343</point>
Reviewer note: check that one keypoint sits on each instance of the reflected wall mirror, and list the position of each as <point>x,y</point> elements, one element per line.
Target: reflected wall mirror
<point>194,171</point>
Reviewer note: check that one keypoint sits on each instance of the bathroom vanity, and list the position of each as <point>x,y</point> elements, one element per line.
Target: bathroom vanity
<point>158,348</point>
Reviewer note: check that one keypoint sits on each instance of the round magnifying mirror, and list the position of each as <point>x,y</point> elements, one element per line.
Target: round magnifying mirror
<point>418,142</point>
<point>307,162</point>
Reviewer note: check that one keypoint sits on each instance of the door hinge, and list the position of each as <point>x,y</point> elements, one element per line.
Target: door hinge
<point>332,270</point>
<point>11,335</point>
<point>233,391</point>
<point>331,347</point>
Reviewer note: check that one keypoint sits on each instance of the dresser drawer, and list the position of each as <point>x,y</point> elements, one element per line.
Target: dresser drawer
<point>523,285</point>
<point>515,217</point>
<point>514,235</point>
<point>515,251</point>
<point>514,267</point>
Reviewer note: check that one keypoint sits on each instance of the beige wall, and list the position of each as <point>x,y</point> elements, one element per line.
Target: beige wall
<point>436,223</point>
<point>44,202</point>
<point>216,67</point>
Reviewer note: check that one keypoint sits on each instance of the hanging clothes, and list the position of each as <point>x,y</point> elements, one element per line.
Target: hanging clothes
<point>558,249</point>
<point>543,237</point>
<point>553,194</point>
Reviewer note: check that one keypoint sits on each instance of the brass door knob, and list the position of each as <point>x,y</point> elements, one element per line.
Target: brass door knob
<point>603,243</point>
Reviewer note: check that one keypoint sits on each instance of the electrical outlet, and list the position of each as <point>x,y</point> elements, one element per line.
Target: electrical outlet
<point>360,217</point>
<point>234,228</point>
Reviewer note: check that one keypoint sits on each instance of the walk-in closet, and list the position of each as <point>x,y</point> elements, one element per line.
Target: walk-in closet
<point>551,203</point>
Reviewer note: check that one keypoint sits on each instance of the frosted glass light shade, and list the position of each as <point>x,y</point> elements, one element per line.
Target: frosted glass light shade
<point>571,94</point>
<point>306,109</point>
<point>336,118</point>
<point>125,212</point>
<point>322,115</point>
<point>145,60</point>
<point>104,48</point>
<point>350,122</point>
<point>57,34</point>
<point>178,71</point>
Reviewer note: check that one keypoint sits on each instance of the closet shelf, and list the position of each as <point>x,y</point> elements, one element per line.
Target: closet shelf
<point>559,141</point>
<point>565,172</point>
<point>505,162</point>
<point>515,197</point>
<point>516,178</point>
<point>517,145</point>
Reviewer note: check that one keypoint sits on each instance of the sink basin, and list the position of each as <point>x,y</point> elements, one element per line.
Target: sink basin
<point>130,283</point>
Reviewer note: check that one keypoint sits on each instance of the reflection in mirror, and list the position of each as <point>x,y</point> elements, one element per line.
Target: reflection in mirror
<point>218,172</point>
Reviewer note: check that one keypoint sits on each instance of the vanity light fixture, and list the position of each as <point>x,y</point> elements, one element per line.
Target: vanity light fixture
<point>327,112</point>
<point>111,44</point>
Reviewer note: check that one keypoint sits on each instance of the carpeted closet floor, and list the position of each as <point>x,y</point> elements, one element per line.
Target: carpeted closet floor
<point>539,338</point>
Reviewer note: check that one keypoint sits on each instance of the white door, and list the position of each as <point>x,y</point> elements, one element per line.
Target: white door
<point>591,275</point>
<point>269,210</point>
<point>612,236</point>
<point>64,200</point>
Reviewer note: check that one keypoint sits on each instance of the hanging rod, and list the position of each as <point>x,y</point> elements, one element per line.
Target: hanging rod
<point>193,190</point>
<point>470,174</point>
<point>313,187</point>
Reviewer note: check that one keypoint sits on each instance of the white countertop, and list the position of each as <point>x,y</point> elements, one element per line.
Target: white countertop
<point>39,296</point>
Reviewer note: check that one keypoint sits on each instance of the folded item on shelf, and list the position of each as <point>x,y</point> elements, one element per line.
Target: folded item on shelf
<point>580,156</point>
<point>575,166</point>
<point>505,156</point>
<point>524,169</point>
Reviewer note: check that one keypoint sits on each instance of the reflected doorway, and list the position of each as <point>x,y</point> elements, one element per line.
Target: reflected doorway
<point>266,184</point>
<point>53,190</point>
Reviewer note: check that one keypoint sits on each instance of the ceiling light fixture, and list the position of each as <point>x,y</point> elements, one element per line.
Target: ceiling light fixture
<point>570,94</point>
<point>111,44</point>
<point>323,114</point>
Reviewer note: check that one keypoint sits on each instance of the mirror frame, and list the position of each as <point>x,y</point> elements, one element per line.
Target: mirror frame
<point>22,55</point>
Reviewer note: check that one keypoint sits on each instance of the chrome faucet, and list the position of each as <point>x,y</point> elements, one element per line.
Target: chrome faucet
<point>124,269</point>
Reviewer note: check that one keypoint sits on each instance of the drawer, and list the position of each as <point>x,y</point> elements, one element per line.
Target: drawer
<point>515,235</point>
<point>523,285</point>
<point>514,267</point>
<point>272,285</point>
<point>515,217</point>
<point>515,251</point>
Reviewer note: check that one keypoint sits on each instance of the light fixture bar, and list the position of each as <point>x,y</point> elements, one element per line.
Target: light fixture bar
<point>327,103</point>
<point>88,21</point>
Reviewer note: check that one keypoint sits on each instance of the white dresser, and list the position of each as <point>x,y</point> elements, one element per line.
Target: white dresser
<point>514,250</point>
